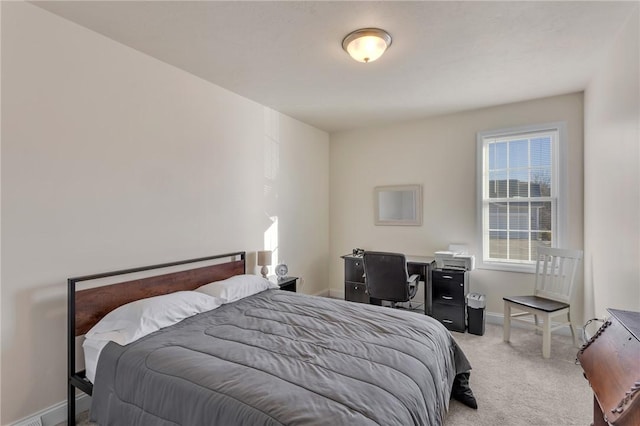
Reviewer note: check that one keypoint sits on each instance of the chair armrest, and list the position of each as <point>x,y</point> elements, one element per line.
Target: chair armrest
<point>413,279</point>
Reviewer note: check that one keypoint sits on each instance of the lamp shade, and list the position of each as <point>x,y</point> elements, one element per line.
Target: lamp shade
<point>366,44</point>
<point>264,258</point>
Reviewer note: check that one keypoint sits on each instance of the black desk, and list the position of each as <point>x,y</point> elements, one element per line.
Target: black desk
<point>355,289</point>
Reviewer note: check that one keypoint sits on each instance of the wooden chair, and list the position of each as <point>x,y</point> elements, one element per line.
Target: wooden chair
<point>555,278</point>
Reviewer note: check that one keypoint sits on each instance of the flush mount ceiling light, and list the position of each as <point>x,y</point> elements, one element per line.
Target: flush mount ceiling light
<point>366,44</point>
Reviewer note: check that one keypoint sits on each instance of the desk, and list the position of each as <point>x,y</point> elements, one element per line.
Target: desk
<point>355,288</point>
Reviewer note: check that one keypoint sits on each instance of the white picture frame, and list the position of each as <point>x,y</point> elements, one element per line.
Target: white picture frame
<point>398,205</point>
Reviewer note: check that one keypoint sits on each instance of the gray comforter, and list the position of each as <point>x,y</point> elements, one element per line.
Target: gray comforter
<point>281,358</point>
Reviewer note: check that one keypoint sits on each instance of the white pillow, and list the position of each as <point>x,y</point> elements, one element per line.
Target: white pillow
<point>134,320</point>
<point>237,287</point>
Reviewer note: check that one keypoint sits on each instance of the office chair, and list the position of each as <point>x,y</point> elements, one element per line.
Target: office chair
<point>555,277</point>
<point>387,279</point>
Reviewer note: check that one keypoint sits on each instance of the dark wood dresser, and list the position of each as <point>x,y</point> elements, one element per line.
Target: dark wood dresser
<point>611,364</point>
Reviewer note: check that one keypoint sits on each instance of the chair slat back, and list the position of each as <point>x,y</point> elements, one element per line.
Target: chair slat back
<point>556,272</point>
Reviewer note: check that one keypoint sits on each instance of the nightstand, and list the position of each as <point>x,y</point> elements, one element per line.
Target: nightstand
<point>285,283</point>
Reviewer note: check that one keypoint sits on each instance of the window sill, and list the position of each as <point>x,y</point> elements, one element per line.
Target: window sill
<point>507,267</point>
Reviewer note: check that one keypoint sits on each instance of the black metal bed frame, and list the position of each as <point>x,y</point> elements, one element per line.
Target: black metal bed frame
<point>78,380</point>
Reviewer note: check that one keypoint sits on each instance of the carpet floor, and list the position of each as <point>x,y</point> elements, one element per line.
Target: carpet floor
<point>514,385</point>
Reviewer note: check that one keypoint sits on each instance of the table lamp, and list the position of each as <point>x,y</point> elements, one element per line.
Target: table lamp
<point>264,260</point>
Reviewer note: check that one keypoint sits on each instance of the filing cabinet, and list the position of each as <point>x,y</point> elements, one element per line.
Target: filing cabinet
<point>449,297</point>
<point>355,288</point>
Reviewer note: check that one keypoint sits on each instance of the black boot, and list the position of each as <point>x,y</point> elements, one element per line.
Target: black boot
<point>462,392</point>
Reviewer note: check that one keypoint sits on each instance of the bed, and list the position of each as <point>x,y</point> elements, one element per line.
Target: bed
<point>270,358</point>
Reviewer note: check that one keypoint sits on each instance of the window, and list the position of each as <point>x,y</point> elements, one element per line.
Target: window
<point>520,194</point>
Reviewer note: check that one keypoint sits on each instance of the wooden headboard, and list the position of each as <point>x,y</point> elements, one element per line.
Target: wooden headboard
<point>90,305</point>
<point>86,307</point>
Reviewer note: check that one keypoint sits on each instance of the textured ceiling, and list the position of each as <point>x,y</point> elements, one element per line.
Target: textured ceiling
<point>445,57</point>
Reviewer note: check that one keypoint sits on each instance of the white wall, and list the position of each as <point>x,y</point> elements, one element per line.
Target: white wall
<point>612,178</point>
<point>112,159</point>
<point>440,154</point>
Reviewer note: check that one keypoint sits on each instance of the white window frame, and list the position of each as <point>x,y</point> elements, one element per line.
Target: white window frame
<point>558,194</point>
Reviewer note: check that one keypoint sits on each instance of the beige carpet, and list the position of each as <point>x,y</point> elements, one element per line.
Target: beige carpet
<point>515,386</point>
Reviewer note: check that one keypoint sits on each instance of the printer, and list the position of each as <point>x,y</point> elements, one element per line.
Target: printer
<point>455,258</point>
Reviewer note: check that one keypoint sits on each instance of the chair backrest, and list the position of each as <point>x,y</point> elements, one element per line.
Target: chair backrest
<point>556,272</point>
<point>386,276</point>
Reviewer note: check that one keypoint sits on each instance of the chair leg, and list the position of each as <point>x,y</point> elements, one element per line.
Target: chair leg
<point>546,337</point>
<point>506,327</point>
<point>573,331</point>
<point>535,319</point>
<point>573,335</point>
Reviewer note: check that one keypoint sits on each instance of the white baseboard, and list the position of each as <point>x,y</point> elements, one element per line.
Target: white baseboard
<point>56,413</point>
<point>323,293</point>
<point>336,294</point>
<point>495,318</point>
